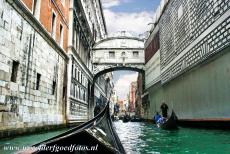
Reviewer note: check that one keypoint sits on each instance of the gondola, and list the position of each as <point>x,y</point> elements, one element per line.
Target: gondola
<point>170,123</point>
<point>126,118</point>
<point>136,119</point>
<point>95,136</point>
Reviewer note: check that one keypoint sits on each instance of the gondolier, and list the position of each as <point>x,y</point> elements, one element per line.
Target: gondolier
<point>164,109</point>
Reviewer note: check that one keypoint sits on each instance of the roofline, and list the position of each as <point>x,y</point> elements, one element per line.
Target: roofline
<point>119,37</point>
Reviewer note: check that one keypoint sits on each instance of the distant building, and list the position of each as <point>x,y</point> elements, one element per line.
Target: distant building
<point>122,105</point>
<point>132,91</point>
<point>138,95</point>
<point>125,105</point>
<point>114,100</point>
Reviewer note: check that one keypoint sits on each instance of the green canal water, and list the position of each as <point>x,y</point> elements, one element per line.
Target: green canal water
<point>145,138</point>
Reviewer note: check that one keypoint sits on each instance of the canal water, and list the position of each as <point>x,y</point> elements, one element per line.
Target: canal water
<point>145,138</point>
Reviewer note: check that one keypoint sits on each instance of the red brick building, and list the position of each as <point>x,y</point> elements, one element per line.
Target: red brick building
<point>132,96</point>
<point>139,92</point>
<point>53,15</point>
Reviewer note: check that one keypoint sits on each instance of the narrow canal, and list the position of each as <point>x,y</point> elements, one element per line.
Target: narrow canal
<point>145,138</point>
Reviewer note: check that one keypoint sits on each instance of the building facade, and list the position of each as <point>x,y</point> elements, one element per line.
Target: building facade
<point>132,96</point>
<point>138,95</point>
<point>86,26</point>
<point>114,101</point>
<point>187,64</point>
<point>32,64</point>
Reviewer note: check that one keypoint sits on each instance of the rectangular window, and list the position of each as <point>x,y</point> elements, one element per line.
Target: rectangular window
<point>38,81</point>
<point>78,75</point>
<point>61,35</point>
<point>64,92</point>
<point>53,26</point>
<point>83,80</point>
<point>54,87</point>
<point>14,72</point>
<point>75,74</point>
<point>77,92</point>
<point>36,8</point>
<point>83,95</point>
<point>72,89</point>
<point>73,71</point>
<point>75,39</point>
<point>111,54</point>
<point>135,54</point>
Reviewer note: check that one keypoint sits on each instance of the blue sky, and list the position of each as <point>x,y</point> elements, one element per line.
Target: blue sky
<point>136,6</point>
<point>132,16</point>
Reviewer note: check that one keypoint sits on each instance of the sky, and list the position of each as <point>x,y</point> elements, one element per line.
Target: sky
<point>132,16</point>
<point>122,81</point>
<point>129,15</point>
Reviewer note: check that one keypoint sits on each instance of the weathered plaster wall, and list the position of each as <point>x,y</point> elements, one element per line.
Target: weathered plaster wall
<point>21,105</point>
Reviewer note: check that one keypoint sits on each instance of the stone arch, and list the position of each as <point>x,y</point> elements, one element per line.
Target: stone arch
<point>111,69</point>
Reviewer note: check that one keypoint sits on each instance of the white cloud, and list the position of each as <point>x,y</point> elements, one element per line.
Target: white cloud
<point>135,22</point>
<point>122,84</point>
<point>110,3</point>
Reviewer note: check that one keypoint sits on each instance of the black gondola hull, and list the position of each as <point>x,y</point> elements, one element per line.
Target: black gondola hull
<point>95,136</point>
<point>171,123</point>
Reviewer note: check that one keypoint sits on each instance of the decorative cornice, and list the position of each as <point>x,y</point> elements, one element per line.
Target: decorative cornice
<point>119,37</point>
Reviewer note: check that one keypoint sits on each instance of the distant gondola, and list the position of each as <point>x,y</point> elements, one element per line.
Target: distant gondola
<point>136,119</point>
<point>170,123</point>
<point>126,118</point>
<point>94,136</point>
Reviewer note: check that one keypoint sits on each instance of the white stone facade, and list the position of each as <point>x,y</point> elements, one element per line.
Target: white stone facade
<point>35,96</point>
<point>121,51</point>
<point>86,26</point>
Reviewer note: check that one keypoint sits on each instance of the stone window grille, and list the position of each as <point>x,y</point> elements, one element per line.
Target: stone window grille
<point>216,7</point>
<point>14,72</point>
